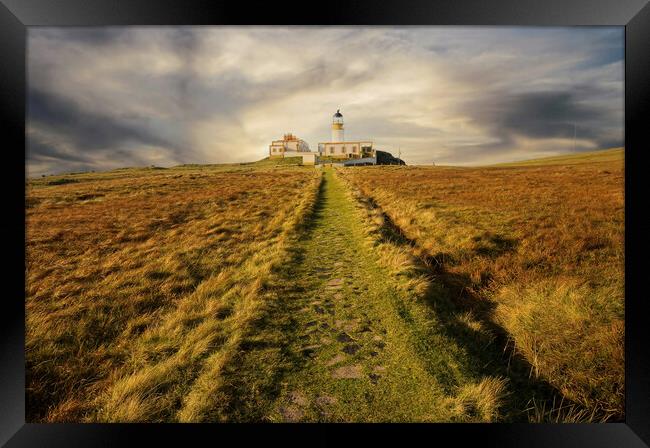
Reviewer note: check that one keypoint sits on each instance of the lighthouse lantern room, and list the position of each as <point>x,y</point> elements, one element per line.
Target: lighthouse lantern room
<point>337,127</point>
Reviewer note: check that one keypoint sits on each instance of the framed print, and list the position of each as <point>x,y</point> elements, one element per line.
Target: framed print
<point>352,223</point>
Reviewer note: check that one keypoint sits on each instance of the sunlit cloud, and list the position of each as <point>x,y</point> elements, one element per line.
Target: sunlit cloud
<point>102,98</point>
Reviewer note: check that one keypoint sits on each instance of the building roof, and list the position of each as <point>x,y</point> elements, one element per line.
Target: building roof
<point>338,113</point>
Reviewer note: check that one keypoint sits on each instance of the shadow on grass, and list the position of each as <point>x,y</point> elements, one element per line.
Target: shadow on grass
<point>490,352</point>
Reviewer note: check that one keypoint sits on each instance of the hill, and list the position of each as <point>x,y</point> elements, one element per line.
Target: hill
<point>601,156</point>
<point>266,161</point>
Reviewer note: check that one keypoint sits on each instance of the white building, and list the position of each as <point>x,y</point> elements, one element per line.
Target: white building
<point>292,146</point>
<point>339,148</point>
<point>288,146</point>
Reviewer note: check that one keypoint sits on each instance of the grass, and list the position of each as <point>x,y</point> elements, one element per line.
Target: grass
<point>274,292</point>
<point>602,156</point>
<point>342,338</point>
<point>534,252</point>
<point>284,161</point>
<point>199,294</point>
<point>141,281</point>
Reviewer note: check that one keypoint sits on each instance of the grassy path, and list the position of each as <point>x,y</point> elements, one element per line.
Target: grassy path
<point>338,340</point>
<point>357,365</point>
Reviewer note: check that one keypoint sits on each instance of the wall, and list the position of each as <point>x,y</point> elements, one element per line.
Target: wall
<point>309,158</point>
<point>337,133</point>
<point>339,151</point>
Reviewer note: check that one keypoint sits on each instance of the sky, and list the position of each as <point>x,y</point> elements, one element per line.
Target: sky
<point>110,97</point>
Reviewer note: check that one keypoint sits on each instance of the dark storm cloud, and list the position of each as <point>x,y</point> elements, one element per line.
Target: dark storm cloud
<point>47,156</point>
<point>537,114</point>
<point>40,151</point>
<point>87,129</point>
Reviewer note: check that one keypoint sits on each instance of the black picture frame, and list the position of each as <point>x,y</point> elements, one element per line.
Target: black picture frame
<point>17,15</point>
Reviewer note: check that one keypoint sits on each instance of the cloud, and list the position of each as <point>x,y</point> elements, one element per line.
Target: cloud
<point>88,129</point>
<point>539,115</point>
<point>545,114</point>
<point>101,98</point>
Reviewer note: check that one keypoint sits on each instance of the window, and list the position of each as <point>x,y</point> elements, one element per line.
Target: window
<point>331,150</point>
<point>354,149</point>
<point>343,150</point>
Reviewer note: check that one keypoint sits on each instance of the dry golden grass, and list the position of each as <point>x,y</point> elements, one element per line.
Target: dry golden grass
<point>478,402</point>
<point>537,250</point>
<point>141,281</point>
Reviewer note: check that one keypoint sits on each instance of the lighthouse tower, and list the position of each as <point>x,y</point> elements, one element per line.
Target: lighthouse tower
<point>337,127</point>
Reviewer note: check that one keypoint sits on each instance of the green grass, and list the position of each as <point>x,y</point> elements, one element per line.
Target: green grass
<point>604,156</point>
<point>284,161</point>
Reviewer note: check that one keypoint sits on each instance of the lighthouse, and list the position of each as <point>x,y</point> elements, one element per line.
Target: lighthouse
<point>338,148</point>
<point>337,127</point>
